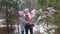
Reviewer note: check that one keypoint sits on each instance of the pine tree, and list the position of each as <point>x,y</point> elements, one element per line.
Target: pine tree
<point>10,9</point>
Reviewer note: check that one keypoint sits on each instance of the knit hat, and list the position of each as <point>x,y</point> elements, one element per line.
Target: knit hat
<point>26,9</point>
<point>21,12</point>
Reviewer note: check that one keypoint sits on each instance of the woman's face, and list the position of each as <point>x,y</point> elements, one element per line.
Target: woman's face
<point>22,15</point>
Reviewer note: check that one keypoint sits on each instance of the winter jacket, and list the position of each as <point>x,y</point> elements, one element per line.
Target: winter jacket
<point>22,23</point>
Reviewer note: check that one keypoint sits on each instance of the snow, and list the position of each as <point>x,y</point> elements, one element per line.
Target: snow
<point>41,28</point>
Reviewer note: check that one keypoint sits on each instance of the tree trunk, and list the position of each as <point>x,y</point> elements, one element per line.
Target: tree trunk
<point>47,24</point>
<point>58,26</point>
<point>11,28</point>
<point>7,19</point>
<point>18,27</point>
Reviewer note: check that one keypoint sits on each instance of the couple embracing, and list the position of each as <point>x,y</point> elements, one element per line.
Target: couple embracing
<point>25,21</point>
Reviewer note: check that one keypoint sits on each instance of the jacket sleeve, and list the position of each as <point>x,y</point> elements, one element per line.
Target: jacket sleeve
<point>22,20</point>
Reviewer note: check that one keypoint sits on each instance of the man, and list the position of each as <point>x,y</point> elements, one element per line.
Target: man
<point>27,25</point>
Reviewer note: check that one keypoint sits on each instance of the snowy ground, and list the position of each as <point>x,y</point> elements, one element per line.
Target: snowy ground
<point>37,28</point>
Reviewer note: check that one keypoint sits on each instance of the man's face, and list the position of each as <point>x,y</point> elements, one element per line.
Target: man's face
<point>26,11</point>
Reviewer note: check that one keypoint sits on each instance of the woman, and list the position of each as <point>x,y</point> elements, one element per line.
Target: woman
<point>22,21</point>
